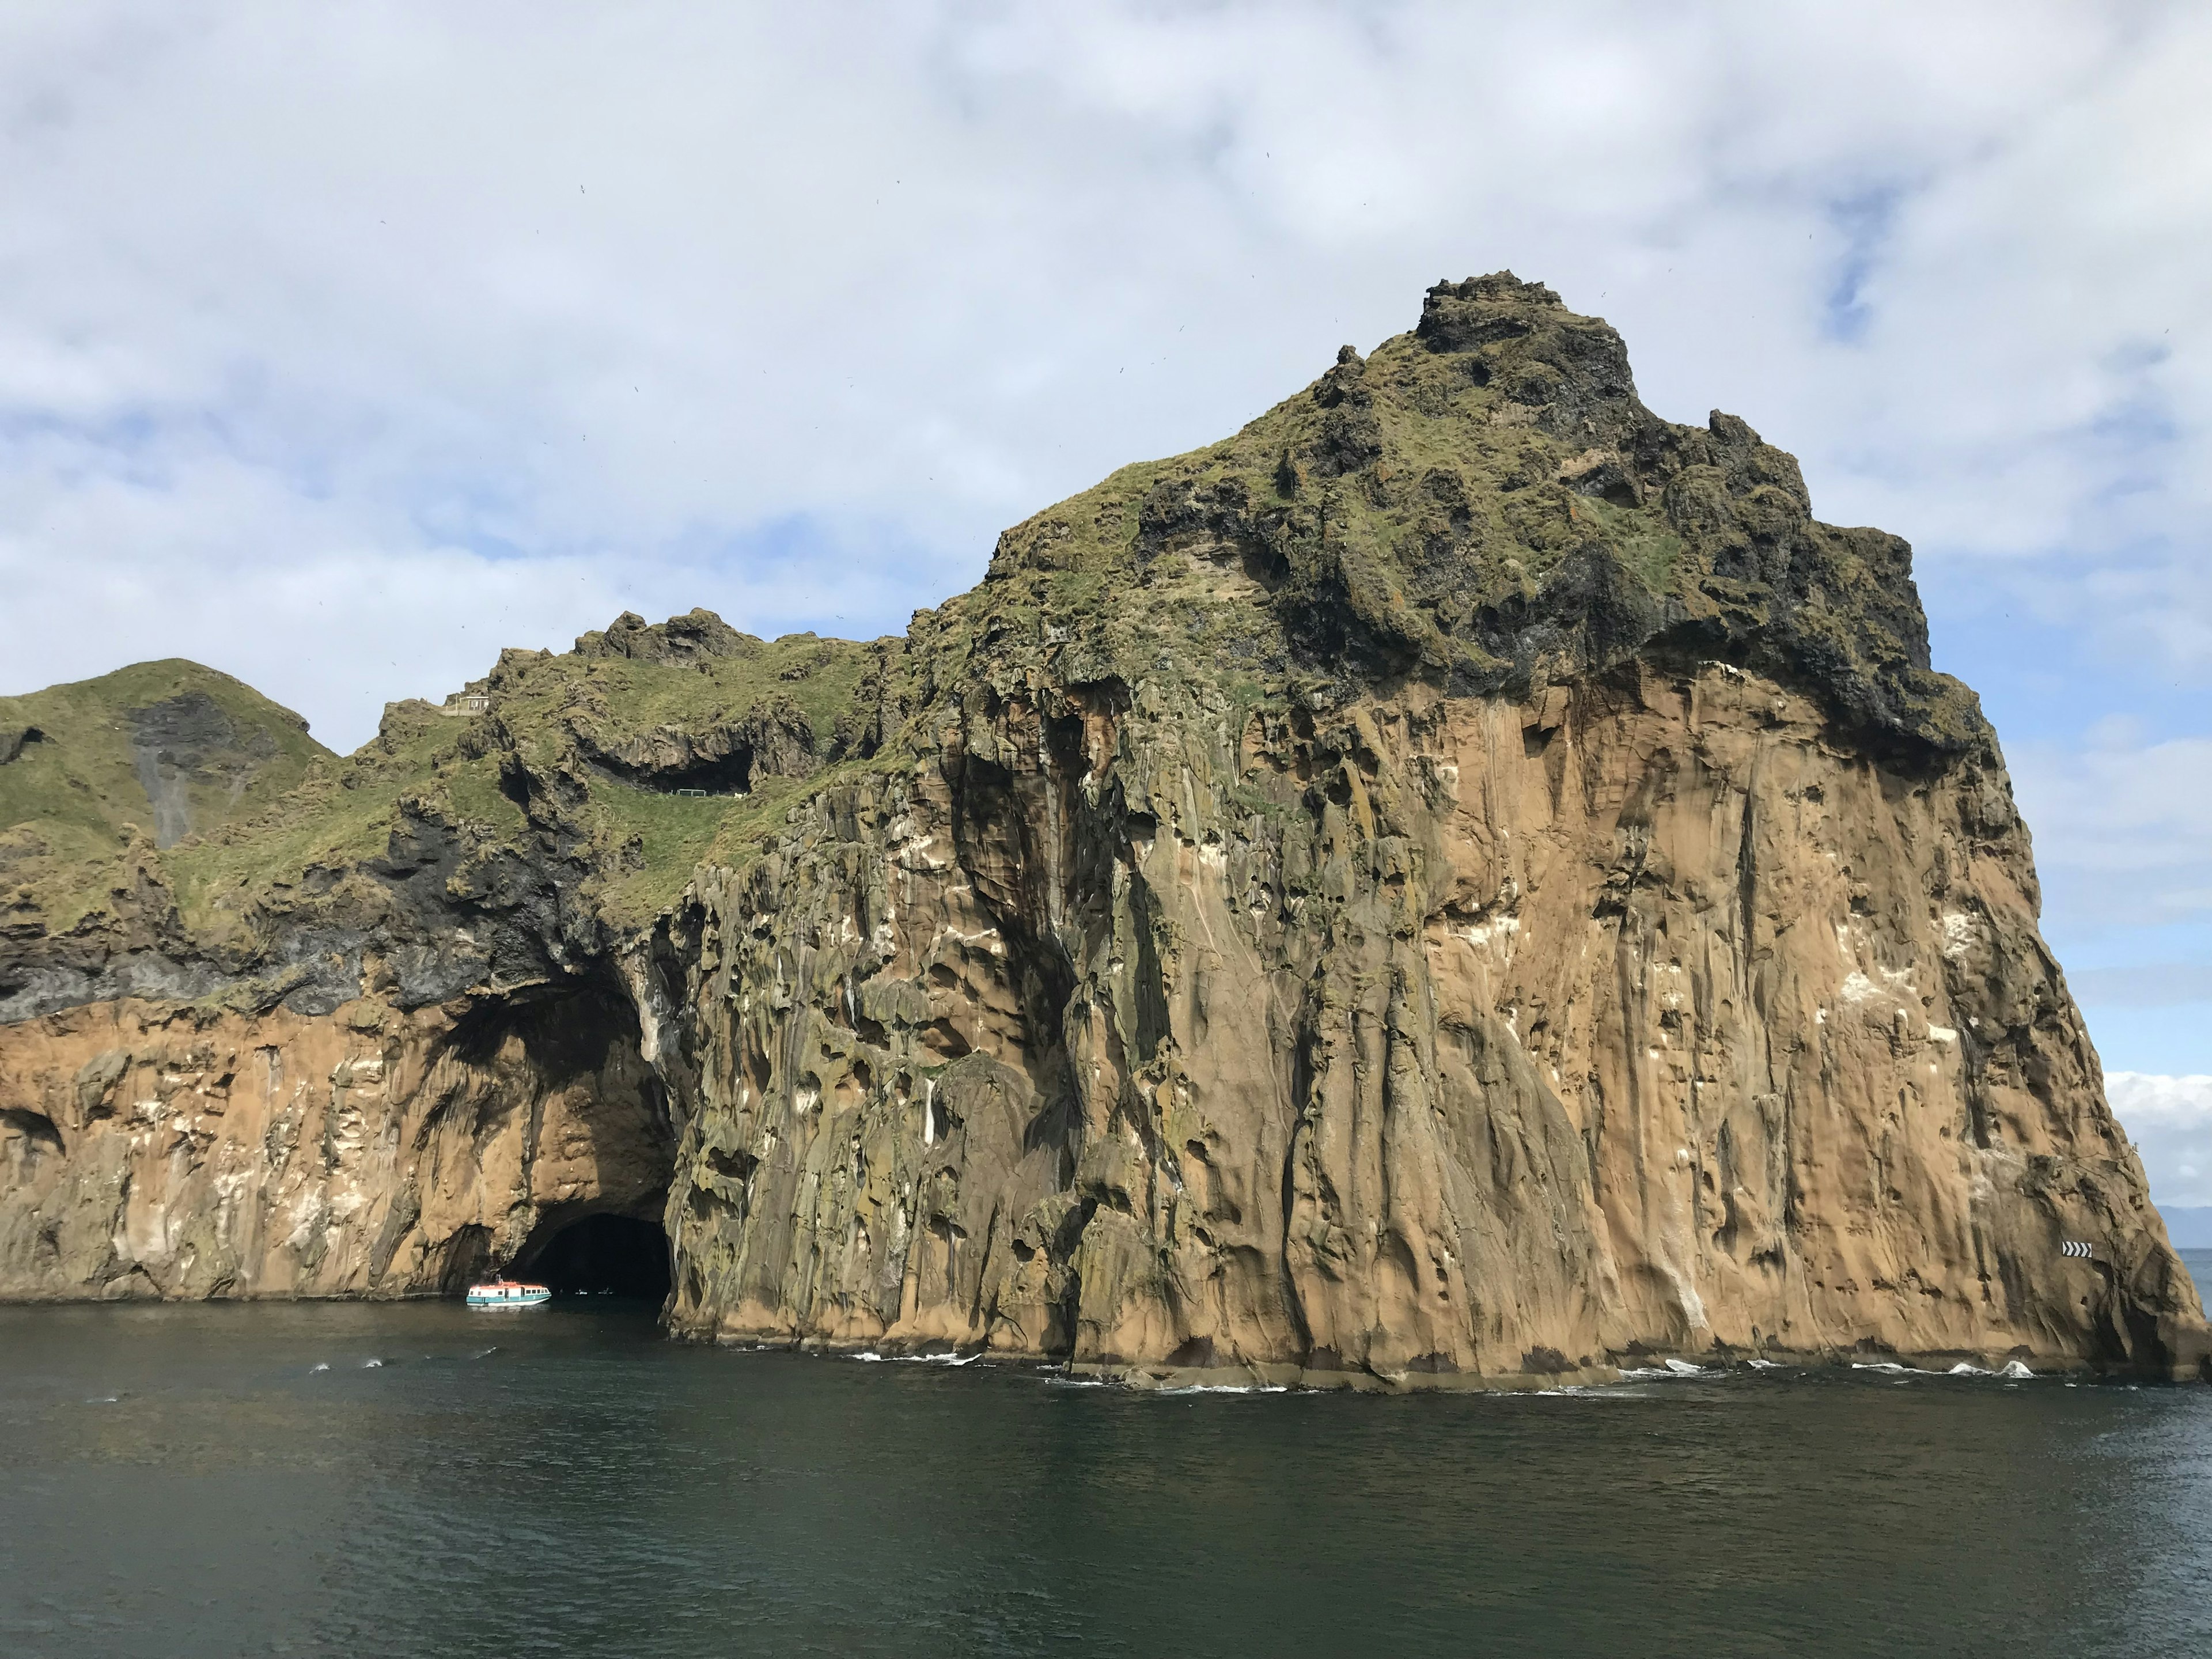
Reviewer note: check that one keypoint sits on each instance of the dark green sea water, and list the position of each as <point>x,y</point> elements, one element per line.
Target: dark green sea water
<point>188,1480</point>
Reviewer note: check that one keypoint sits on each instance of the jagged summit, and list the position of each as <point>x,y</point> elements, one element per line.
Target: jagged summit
<point>1484,503</point>
<point>698,633</point>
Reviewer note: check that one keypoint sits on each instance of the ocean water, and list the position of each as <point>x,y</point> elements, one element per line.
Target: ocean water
<point>420,1480</point>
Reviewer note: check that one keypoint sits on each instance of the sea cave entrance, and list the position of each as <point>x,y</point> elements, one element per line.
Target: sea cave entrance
<point>603,1254</point>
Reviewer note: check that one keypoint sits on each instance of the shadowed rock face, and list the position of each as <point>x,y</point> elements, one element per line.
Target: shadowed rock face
<point>1463,881</point>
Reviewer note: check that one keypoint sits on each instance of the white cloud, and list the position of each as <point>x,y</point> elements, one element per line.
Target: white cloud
<point>2122,826</point>
<point>2170,1121</point>
<point>458,321</point>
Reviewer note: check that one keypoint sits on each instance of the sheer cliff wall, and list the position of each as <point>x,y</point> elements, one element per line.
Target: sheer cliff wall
<point>1464,880</point>
<point>1444,1037</point>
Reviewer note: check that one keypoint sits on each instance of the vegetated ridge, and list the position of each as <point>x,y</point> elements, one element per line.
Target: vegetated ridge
<point>1464,881</point>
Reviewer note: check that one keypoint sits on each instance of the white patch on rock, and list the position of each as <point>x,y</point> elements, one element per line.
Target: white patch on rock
<point>1958,933</point>
<point>1482,934</point>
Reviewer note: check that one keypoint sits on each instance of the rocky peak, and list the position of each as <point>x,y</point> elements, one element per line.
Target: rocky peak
<point>697,633</point>
<point>1485,504</point>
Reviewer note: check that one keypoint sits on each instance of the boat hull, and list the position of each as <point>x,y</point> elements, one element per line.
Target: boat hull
<point>495,1301</point>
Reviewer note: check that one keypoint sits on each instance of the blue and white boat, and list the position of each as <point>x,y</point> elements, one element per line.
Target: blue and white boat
<point>507,1293</point>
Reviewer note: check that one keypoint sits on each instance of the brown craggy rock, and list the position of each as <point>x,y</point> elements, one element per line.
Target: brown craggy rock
<point>1463,882</point>
<point>1634,1019</point>
<point>374,1153</point>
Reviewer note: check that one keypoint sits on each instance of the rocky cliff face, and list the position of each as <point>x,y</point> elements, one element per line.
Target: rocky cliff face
<point>160,1151</point>
<point>1462,881</point>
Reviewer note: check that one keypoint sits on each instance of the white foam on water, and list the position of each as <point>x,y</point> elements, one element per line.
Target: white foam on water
<point>1962,1369</point>
<point>371,1364</point>
<point>1763,1364</point>
<point>2015,1369</point>
<point>1684,1368</point>
<point>102,1399</point>
<point>1888,1366</point>
<point>1229,1388</point>
<point>320,1365</point>
<point>488,1353</point>
<point>870,1356</point>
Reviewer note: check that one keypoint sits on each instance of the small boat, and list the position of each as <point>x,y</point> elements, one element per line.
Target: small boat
<point>507,1293</point>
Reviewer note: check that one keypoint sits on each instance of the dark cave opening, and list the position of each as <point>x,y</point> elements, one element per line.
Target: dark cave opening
<point>721,774</point>
<point>604,1255</point>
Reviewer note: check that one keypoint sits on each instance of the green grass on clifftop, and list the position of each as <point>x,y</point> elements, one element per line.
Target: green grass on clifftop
<point>152,753</point>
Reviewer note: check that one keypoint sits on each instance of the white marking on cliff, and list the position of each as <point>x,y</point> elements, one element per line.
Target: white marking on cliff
<point>1482,934</point>
<point>1857,988</point>
<point>988,936</point>
<point>1693,1306</point>
<point>929,1112</point>
<point>1958,933</point>
<point>1941,1034</point>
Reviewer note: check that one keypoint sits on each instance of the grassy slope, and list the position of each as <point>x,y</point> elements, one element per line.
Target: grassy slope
<point>643,843</point>
<point>72,804</point>
<point>1431,420</point>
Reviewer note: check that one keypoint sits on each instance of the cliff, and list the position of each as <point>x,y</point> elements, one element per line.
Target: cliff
<point>1462,881</point>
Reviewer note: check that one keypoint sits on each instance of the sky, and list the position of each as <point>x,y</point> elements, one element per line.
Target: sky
<point>340,347</point>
